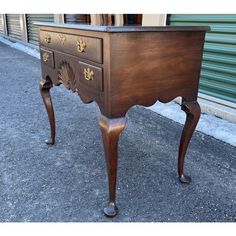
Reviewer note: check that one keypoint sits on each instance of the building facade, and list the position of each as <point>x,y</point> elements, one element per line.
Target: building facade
<point>20,26</point>
<point>218,75</point>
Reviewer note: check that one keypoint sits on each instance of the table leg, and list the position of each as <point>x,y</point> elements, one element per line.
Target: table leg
<point>193,111</point>
<point>45,85</point>
<point>111,129</point>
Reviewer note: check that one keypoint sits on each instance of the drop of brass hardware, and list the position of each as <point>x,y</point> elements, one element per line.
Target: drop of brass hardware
<point>45,57</point>
<point>81,45</point>
<point>47,38</point>
<point>88,74</point>
<point>62,38</point>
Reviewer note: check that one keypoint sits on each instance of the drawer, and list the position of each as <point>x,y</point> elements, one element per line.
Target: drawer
<point>47,57</point>
<point>82,46</point>
<point>91,76</point>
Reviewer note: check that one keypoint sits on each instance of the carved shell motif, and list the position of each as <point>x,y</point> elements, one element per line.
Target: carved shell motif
<point>66,76</point>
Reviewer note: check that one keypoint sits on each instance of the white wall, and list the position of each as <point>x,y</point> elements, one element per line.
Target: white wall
<point>154,20</point>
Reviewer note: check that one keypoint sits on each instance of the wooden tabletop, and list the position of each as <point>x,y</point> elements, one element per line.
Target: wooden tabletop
<point>125,28</point>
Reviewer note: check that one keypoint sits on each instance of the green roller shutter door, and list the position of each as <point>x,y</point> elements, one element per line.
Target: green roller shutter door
<point>218,74</point>
<point>1,24</point>
<point>32,30</point>
<point>13,25</point>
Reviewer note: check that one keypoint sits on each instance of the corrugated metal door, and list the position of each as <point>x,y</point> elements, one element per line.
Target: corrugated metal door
<point>32,30</point>
<point>1,24</point>
<point>77,19</point>
<point>218,74</point>
<point>13,25</point>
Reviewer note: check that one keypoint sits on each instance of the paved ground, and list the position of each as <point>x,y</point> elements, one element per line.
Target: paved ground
<point>67,182</point>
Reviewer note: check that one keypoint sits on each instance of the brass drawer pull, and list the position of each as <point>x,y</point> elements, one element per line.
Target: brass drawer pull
<point>62,38</point>
<point>45,57</point>
<point>47,38</point>
<point>81,45</point>
<point>88,74</point>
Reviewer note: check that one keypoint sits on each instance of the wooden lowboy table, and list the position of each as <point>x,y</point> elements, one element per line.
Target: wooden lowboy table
<point>119,67</point>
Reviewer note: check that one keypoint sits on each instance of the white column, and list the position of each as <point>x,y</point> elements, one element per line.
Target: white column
<point>4,24</point>
<point>96,19</point>
<point>154,20</point>
<point>119,19</point>
<point>23,27</point>
<point>59,18</point>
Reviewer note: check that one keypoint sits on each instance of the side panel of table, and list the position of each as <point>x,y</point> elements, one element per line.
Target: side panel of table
<point>150,66</point>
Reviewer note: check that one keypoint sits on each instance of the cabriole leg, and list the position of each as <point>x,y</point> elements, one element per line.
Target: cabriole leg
<point>111,129</point>
<point>45,85</point>
<point>193,111</point>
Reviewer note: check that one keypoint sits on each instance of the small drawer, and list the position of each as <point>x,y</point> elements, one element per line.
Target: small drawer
<point>88,48</point>
<point>47,57</point>
<point>91,76</point>
<point>82,46</point>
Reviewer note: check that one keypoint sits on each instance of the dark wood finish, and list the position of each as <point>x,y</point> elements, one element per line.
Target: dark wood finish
<point>50,57</point>
<point>156,66</point>
<point>109,29</point>
<point>193,112</point>
<point>111,129</point>
<point>92,51</point>
<point>45,85</point>
<point>97,82</point>
<point>137,66</point>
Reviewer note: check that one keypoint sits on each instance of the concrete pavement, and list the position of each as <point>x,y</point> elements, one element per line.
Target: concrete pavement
<point>67,181</point>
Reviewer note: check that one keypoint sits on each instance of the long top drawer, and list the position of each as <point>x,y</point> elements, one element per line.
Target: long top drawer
<point>85,47</point>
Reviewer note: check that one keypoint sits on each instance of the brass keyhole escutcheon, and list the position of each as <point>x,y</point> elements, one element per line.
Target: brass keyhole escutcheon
<point>47,38</point>
<point>81,45</point>
<point>62,38</point>
<point>45,57</point>
<point>88,74</point>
